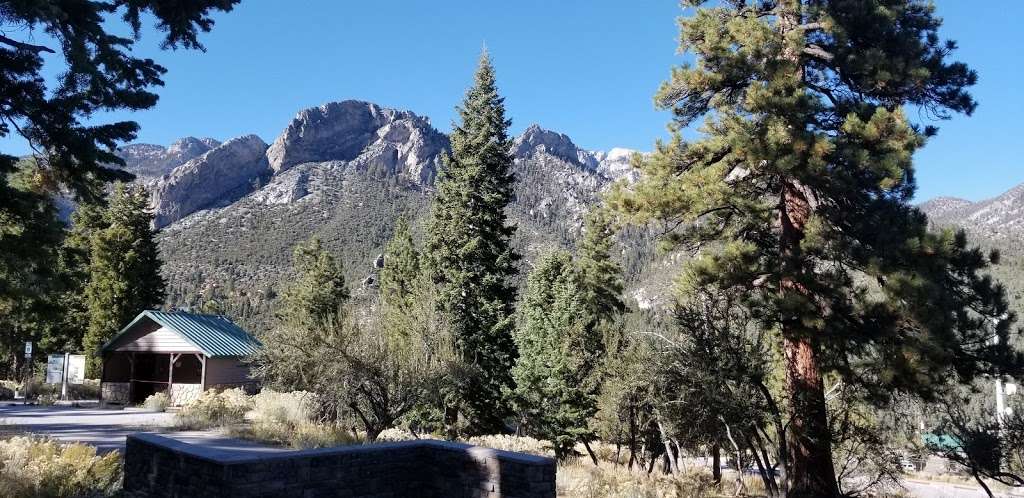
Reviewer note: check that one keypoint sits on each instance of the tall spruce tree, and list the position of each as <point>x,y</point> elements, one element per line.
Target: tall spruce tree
<point>601,275</point>
<point>124,268</point>
<point>319,291</point>
<point>559,350</point>
<point>469,253</point>
<point>798,192</point>
<point>29,283</point>
<point>402,268</point>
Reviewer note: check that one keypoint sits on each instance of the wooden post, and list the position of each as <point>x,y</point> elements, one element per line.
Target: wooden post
<point>170,376</point>
<point>103,372</point>
<point>131,377</point>
<point>202,374</point>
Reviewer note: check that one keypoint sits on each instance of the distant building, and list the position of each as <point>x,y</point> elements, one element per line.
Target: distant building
<point>179,353</point>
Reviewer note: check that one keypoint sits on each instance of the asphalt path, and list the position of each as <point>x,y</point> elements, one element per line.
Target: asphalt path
<point>105,429</point>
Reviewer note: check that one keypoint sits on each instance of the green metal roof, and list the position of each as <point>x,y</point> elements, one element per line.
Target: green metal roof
<point>214,335</point>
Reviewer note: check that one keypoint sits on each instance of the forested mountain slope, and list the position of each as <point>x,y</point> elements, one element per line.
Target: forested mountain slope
<point>996,223</point>
<point>344,172</point>
<point>231,212</point>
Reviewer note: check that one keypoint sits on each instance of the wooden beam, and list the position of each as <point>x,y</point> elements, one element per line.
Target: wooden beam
<point>202,374</point>
<point>170,371</point>
<point>131,377</point>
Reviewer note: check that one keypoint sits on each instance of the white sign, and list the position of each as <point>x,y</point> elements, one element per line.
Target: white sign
<point>55,369</point>
<point>76,369</point>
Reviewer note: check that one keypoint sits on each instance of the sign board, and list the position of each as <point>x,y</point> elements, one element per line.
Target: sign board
<point>55,369</point>
<point>76,369</point>
<point>28,349</point>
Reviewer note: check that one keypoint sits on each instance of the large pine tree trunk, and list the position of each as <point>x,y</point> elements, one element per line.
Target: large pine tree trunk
<point>810,473</point>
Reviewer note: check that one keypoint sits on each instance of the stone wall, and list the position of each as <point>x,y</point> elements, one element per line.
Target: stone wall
<point>115,392</point>
<point>160,466</point>
<point>182,394</point>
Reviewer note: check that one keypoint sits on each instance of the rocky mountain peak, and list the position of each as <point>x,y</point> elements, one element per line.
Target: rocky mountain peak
<point>559,145</point>
<point>344,131</point>
<point>218,177</point>
<point>943,205</point>
<point>149,162</point>
<point>192,146</point>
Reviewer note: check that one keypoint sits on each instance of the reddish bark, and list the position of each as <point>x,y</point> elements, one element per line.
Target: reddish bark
<point>810,473</point>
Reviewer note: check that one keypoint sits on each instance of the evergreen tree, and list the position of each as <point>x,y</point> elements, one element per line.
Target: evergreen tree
<point>401,272</point>
<point>470,257</point>
<point>319,291</point>
<point>798,194</point>
<point>559,349</point>
<point>97,72</point>
<point>29,282</point>
<point>124,268</point>
<point>601,275</point>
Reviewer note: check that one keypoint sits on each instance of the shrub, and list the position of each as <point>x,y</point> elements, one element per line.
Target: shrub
<point>577,478</point>
<point>294,407</point>
<point>6,393</point>
<point>303,435</point>
<point>521,444</point>
<point>213,409</point>
<point>157,402</point>
<point>88,390</point>
<point>37,467</point>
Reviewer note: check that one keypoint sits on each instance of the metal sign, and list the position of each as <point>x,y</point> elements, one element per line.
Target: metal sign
<point>28,349</point>
<point>55,369</point>
<point>76,369</point>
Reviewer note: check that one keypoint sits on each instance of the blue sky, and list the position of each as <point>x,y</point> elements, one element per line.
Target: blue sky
<point>584,68</point>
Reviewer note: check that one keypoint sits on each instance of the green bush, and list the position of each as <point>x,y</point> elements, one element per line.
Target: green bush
<point>36,467</point>
<point>88,390</point>
<point>6,393</point>
<point>157,402</point>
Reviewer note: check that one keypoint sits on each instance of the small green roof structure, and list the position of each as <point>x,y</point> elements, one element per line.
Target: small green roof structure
<point>215,336</point>
<point>177,353</point>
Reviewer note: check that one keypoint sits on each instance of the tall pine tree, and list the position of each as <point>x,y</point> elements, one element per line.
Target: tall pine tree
<point>124,268</point>
<point>798,191</point>
<point>469,253</point>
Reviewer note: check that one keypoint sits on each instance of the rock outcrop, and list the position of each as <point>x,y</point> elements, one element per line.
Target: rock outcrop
<point>217,178</point>
<point>536,139</point>
<point>149,162</point>
<point>372,137</point>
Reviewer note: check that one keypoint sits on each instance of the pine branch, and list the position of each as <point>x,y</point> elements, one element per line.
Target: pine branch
<point>25,46</point>
<point>818,52</point>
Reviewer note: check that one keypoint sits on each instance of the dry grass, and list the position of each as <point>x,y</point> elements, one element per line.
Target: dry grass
<point>581,479</point>
<point>214,409</point>
<point>157,402</point>
<point>37,467</point>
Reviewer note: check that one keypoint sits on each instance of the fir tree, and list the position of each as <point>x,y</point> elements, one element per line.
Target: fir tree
<point>29,281</point>
<point>319,291</point>
<point>797,193</point>
<point>601,275</point>
<point>470,257</point>
<point>555,394</point>
<point>124,268</point>
<point>401,272</point>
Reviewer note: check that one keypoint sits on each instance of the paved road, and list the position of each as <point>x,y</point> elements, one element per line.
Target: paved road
<point>919,489</point>
<point>105,429</point>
